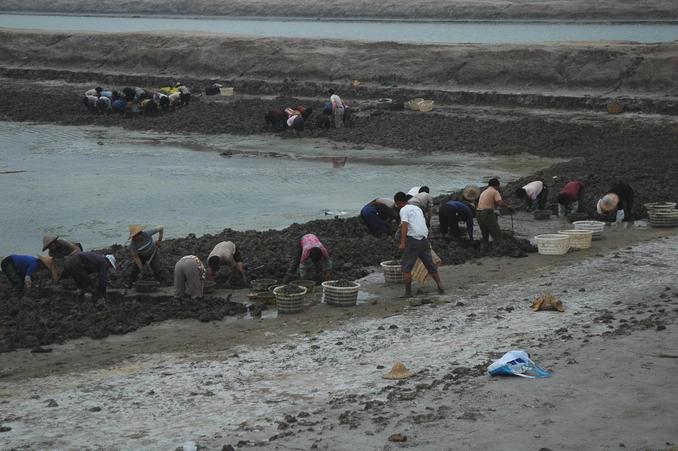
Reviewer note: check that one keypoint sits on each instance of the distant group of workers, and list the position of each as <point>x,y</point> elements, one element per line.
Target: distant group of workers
<point>381,214</point>
<point>335,113</point>
<point>133,100</point>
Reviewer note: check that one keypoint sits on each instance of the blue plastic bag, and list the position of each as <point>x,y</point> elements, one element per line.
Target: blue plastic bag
<point>517,363</point>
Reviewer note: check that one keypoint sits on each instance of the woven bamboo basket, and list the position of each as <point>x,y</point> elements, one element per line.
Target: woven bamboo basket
<point>393,271</point>
<point>308,284</point>
<point>553,244</point>
<point>289,303</point>
<point>425,105</point>
<point>662,206</point>
<point>262,284</point>
<point>414,104</point>
<point>596,227</point>
<point>663,218</point>
<point>340,296</point>
<point>579,239</point>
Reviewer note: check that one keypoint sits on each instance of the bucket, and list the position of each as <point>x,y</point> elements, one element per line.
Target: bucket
<point>289,302</point>
<point>340,296</point>
<point>393,272</point>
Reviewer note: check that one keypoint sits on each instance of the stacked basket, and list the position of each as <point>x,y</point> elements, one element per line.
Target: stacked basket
<point>553,244</point>
<point>393,272</point>
<point>662,214</point>
<point>340,296</point>
<point>289,303</point>
<point>579,239</point>
<point>596,227</point>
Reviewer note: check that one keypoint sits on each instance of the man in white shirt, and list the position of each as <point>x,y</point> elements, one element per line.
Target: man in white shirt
<point>535,194</point>
<point>337,109</point>
<point>414,243</point>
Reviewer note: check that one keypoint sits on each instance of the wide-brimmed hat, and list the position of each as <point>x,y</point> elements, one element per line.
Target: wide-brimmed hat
<point>135,229</point>
<point>47,240</point>
<point>470,193</point>
<point>51,265</point>
<point>399,371</point>
<point>547,301</point>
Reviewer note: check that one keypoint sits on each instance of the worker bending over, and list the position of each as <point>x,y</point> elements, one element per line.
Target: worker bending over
<point>82,264</point>
<point>570,198</point>
<point>310,259</point>
<point>378,214</point>
<point>144,250</point>
<point>617,203</point>
<point>452,213</point>
<point>226,253</point>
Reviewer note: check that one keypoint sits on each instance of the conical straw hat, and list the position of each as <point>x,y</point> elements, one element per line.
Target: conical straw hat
<point>399,371</point>
<point>471,193</point>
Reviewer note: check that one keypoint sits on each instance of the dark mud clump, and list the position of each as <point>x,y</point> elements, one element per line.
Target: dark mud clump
<point>290,289</point>
<point>342,283</point>
<point>54,316</point>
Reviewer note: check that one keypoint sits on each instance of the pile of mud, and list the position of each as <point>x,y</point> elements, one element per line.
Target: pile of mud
<point>52,316</point>
<point>355,253</point>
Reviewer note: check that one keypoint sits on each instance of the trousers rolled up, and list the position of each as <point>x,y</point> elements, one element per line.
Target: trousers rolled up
<point>489,226</point>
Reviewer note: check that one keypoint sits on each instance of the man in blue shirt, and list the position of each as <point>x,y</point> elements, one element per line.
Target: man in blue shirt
<point>19,269</point>
<point>453,212</point>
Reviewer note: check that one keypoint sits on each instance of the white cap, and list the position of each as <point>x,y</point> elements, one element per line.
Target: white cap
<point>111,259</point>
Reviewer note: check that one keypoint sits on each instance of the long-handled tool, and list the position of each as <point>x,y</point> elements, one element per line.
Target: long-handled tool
<point>147,265</point>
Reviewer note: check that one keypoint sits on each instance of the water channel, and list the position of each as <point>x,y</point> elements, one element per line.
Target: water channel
<point>422,32</point>
<point>90,183</point>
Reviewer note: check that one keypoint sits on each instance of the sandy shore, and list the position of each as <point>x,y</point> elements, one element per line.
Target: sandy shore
<point>555,10</point>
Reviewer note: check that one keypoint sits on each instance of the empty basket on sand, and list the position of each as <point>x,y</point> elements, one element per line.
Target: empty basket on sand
<point>579,239</point>
<point>393,272</point>
<point>340,293</point>
<point>662,214</point>
<point>553,244</point>
<point>596,227</point>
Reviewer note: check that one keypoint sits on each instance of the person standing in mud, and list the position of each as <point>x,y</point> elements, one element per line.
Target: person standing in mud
<point>489,200</point>
<point>535,194</point>
<point>617,203</point>
<point>337,109</point>
<point>19,269</point>
<point>309,257</point>
<point>226,253</point>
<point>571,198</point>
<point>378,214</point>
<point>414,243</point>
<point>82,264</point>
<point>144,250</point>
<point>423,200</point>
<point>189,275</point>
<point>453,212</point>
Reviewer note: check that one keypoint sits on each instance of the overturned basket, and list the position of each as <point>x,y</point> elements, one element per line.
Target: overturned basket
<point>579,239</point>
<point>393,271</point>
<point>414,103</point>
<point>289,302</point>
<point>596,227</point>
<point>340,296</point>
<point>553,244</point>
